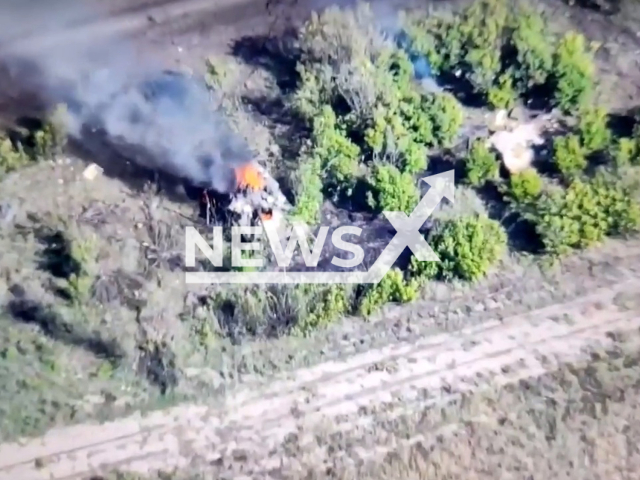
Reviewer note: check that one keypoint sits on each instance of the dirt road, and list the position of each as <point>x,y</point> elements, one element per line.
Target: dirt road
<point>259,419</point>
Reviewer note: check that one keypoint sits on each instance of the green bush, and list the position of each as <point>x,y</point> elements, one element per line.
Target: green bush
<point>534,50</point>
<point>392,190</point>
<point>471,42</point>
<point>504,50</point>
<point>446,116</point>
<point>524,187</point>
<point>51,138</point>
<point>574,72</point>
<point>482,25</point>
<point>338,51</point>
<point>584,214</point>
<point>426,36</point>
<point>12,157</point>
<point>594,130</point>
<point>366,113</point>
<point>42,144</point>
<point>313,92</point>
<point>626,151</point>
<point>338,155</point>
<point>324,305</point>
<point>406,121</point>
<point>569,156</point>
<point>391,141</point>
<point>503,94</point>
<point>481,164</point>
<point>392,288</point>
<point>308,190</point>
<point>468,247</point>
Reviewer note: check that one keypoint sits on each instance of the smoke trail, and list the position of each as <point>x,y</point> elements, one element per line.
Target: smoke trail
<point>106,83</point>
<point>388,22</point>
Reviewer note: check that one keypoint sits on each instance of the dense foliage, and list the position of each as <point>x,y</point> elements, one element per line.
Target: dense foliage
<point>373,125</point>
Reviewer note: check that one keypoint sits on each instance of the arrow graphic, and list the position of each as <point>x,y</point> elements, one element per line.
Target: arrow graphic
<point>408,227</point>
<point>408,236</point>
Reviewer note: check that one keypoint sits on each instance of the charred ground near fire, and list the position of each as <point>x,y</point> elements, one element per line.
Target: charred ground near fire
<point>97,321</point>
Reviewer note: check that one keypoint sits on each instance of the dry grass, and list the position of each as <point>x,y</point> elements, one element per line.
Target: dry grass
<point>579,422</point>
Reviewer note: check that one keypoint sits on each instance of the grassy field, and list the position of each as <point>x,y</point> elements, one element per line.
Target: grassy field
<point>97,321</point>
<point>578,422</point>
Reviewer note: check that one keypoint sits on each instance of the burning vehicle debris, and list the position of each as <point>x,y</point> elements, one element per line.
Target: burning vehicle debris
<point>256,198</point>
<point>164,122</point>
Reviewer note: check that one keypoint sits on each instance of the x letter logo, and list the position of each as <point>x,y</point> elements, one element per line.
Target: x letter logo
<point>408,227</point>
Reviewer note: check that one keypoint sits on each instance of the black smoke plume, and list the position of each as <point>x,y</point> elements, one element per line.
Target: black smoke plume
<point>164,119</point>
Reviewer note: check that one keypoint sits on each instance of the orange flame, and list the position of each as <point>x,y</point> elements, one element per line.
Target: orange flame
<point>248,176</point>
<point>266,217</point>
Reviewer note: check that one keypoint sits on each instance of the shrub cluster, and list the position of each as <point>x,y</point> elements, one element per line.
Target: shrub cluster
<point>481,164</point>
<point>27,147</point>
<point>468,247</point>
<point>502,52</point>
<point>524,188</point>
<point>392,288</point>
<point>371,124</point>
<point>569,156</point>
<point>584,213</point>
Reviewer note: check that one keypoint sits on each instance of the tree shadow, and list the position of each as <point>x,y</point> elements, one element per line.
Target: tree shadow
<point>31,312</point>
<point>157,363</point>
<point>444,161</point>
<point>521,233</point>
<point>604,7</point>
<point>461,89</point>
<point>56,257</point>
<point>278,55</point>
<point>622,124</point>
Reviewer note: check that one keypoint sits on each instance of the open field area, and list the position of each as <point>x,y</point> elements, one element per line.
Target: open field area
<point>517,353</point>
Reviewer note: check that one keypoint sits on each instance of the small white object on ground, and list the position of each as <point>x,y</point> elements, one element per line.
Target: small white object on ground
<point>500,120</point>
<point>92,171</point>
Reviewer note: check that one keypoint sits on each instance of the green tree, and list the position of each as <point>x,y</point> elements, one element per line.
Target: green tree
<point>481,164</point>
<point>531,40</point>
<point>392,190</point>
<point>468,247</point>
<point>594,129</point>
<point>569,156</point>
<point>524,187</point>
<point>574,72</point>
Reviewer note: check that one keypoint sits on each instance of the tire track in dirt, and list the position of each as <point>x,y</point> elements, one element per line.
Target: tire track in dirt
<point>257,422</point>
